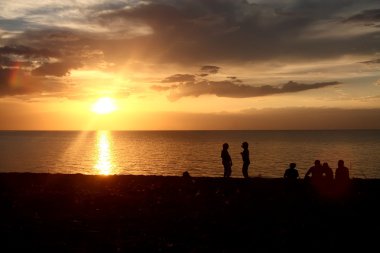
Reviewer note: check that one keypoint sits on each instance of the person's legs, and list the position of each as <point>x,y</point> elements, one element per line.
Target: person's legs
<point>245,170</point>
<point>227,171</point>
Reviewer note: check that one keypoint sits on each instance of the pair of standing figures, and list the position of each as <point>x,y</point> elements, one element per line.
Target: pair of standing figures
<point>227,161</point>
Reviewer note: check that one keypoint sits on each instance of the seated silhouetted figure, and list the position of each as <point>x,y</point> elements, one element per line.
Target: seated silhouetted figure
<point>315,173</point>
<point>186,175</point>
<point>342,178</point>
<point>342,174</point>
<point>291,174</point>
<point>328,173</point>
<point>327,179</point>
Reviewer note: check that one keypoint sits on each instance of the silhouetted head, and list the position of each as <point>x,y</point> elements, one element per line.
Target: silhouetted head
<point>340,163</point>
<point>325,165</point>
<point>317,162</point>
<point>225,146</point>
<point>186,174</point>
<point>244,145</point>
<point>292,165</point>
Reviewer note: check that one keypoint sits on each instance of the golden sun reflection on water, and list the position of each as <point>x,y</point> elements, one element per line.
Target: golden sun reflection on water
<point>104,165</point>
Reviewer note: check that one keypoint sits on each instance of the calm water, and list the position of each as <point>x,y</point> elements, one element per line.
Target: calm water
<point>172,152</point>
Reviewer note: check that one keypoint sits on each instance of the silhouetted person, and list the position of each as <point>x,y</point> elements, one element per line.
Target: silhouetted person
<point>327,178</point>
<point>245,157</point>
<point>186,175</point>
<point>328,173</point>
<point>342,179</point>
<point>316,172</point>
<point>291,174</point>
<point>226,160</point>
<point>342,173</point>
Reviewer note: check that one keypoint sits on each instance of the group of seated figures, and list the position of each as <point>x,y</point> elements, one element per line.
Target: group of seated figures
<point>320,174</point>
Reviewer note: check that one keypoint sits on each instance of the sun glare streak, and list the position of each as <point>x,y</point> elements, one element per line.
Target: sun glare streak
<point>104,164</point>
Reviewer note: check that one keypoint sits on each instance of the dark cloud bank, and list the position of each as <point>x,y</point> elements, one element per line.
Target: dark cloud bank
<point>233,90</point>
<point>366,16</point>
<point>199,32</point>
<point>237,31</point>
<point>186,85</point>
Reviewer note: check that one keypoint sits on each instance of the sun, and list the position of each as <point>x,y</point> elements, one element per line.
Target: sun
<point>104,105</point>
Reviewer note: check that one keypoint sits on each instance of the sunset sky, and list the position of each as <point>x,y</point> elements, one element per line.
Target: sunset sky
<point>191,64</point>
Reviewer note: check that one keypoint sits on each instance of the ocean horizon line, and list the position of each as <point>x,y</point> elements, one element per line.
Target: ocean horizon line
<point>191,130</point>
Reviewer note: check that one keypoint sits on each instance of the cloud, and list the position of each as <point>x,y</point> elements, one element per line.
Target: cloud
<point>34,57</point>
<point>234,79</point>
<point>55,69</point>
<point>184,33</point>
<point>179,78</point>
<point>28,58</point>
<point>209,69</point>
<point>192,32</point>
<point>162,88</point>
<point>16,82</point>
<point>375,61</point>
<point>206,71</point>
<point>366,16</point>
<point>199,32</point>
<point>5,83</point>
<point>26,69</point>
<point>233,90</point>
<point>53,51</point>
<point>9,63</point>
<point>27,52</point>
<point>296,87</point>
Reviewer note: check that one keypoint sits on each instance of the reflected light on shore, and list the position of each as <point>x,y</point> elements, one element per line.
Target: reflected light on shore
<point>104,163</point>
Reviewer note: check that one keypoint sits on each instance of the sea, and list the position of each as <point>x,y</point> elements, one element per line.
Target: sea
<point>170,153</point>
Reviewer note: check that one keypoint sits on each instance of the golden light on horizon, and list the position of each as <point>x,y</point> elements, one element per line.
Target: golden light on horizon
<point>104,163</point>
<point>104,105</point>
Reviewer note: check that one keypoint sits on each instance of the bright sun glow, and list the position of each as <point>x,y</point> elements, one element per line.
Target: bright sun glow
<point>104,106</point>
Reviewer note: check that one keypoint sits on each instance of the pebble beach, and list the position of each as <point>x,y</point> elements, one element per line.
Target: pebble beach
<point>88,213</point>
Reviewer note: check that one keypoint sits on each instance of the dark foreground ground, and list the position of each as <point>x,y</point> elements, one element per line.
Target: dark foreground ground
<point>78,213</point>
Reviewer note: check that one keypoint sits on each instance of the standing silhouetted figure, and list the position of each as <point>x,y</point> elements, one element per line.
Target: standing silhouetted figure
<point>291,174</point>
<point>226,160</point>
<point>245,157</point>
